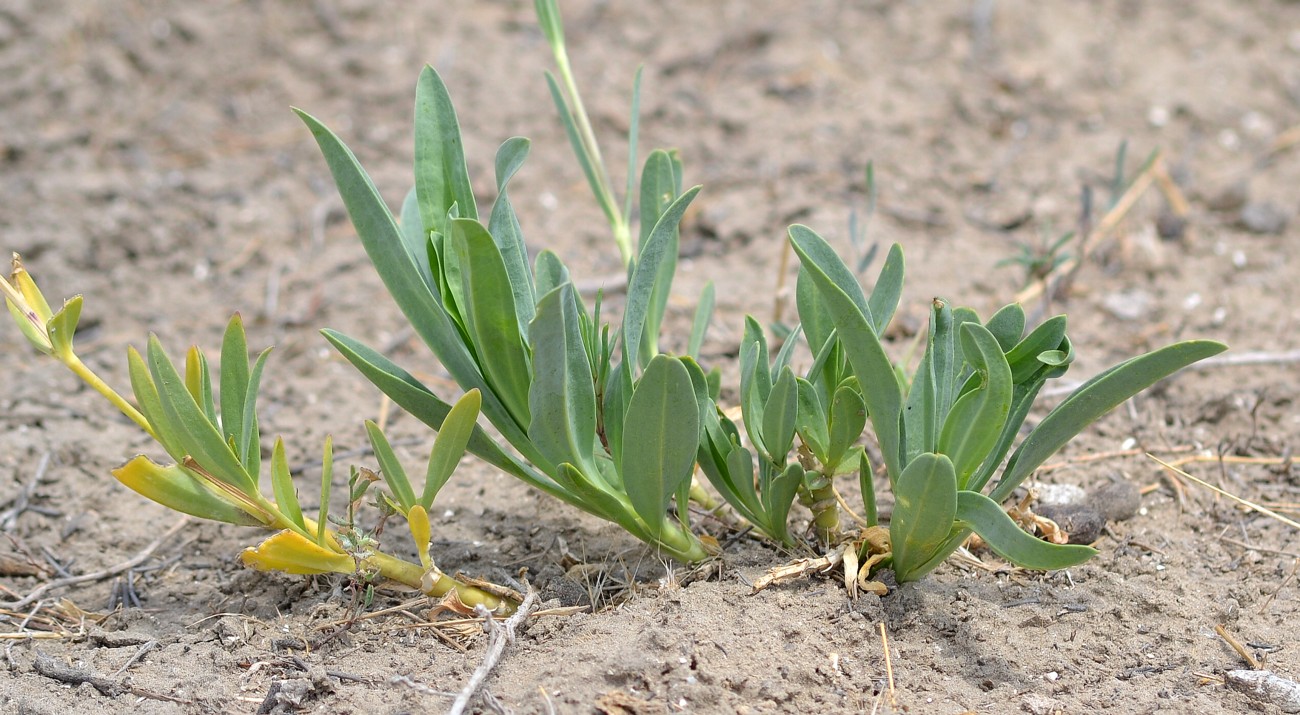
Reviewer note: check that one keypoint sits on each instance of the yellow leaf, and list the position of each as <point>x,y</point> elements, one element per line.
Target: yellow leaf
<point>176,488</point>
<point>291,552</point>
<point>418,519</point>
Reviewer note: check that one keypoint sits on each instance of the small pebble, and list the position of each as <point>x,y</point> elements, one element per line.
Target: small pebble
<point>1080,521</point>
<point>1263,218</point>
<point>1127,305</point>
<point>1232,198</point>
<point>1116,501</point>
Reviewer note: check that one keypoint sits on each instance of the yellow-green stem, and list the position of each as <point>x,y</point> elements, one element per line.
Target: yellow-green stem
<point>412,575</point>
<point>88,376</point>
<point>818,494</point>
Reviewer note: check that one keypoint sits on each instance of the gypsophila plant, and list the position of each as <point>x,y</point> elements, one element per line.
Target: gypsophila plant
<point>217,453</point>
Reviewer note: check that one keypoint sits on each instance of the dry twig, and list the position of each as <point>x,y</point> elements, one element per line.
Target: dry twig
<point>501,636</point>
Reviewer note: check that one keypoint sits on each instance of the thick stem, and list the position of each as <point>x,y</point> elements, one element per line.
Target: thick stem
<point>438,584</point>
<point>818,494</point>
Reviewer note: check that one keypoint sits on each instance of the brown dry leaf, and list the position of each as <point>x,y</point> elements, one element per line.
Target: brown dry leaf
<point>800,568</point>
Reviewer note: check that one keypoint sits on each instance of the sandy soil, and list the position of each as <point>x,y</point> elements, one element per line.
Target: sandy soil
<point>148,160</point>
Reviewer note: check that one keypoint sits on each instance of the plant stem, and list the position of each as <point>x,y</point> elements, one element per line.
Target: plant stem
<point>818,494</point>
<point>88,376</point>
<point>440,584</point>
<point>617,221</point>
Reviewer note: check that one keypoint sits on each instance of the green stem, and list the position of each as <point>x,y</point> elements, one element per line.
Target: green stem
<point>818,494</point>
<point>617,221</point>
<point>88,376</point>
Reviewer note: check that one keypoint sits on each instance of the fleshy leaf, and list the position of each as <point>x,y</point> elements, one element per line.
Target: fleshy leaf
<point>925,505</point>
<point>664,417</point>
<point>983,516</point>
<point>175,488</point>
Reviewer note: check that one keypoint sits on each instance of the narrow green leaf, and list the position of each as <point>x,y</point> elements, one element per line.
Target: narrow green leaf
<point>146,397</point>
<point>195,434</point>
<point>658,189</point>
<point>1023,358</point>
<point>506,231</point>
<point>925,505</point>
<point>383,242</point>
<point>613,410</point>
<point>449,445</point>
<point>286,497</point>
<point>1095,398</point>
<point>654,266</point>
<point>249,444</point>
<point>973,425</point>
<point>753,374</point>
<point>700,325</point>
<point>983,516</point>
<point>812,420</point>
<point>867,484</point>
<point>633,132</point>
<point>780,416</point>
<point>441,179</point>
<point>580,150</point>
<point>663,415</point>
<point>417,241</point>
<point>490,317</point>
<point>198,382</point>
<point>563,396</point>
<point>885,294</point>
<point>234,380</point>
<point>326,483</point>
<point>391,469</point>
<point>814,314</point>
<point>880,388</point>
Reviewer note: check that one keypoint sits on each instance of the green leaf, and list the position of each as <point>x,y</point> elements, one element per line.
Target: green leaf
<point>779,495</point>
<point>234,381</point>
<point>1023,358</point>
<point>1007,325</point>
<point>563,396</point>
<point>177,489</point>
<point>62,326</point>
<point>383,242</point>
<point>417,241</point>
<point>867,484</point>
<point>449,445</point>
<point>505,230</point>
<point>286,497</point>
<point>195,434</point>
<point>925,505</point>
<point>550,272</point>
<point>655,265</point>
<point>780,415</point>
<point>441,179</point>
<point>490,317</point>
<point>249,444</point>
<point>812,420</point>
<point>146,396</point>
<point>1095,398</point>
<point>700,325</point>
<point>580,150</point>
<point>889,286</point>
<point>880,388</point>
<point>391,469</point>
<point>814,314</point>
<point>633,130</point>
<point>663,415</point>
<point>198,382</point>
<point>658,189</point>
<point>983,516</point>
<point>976,419</point>
<point>848,418</point>
<point>326,483</point>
